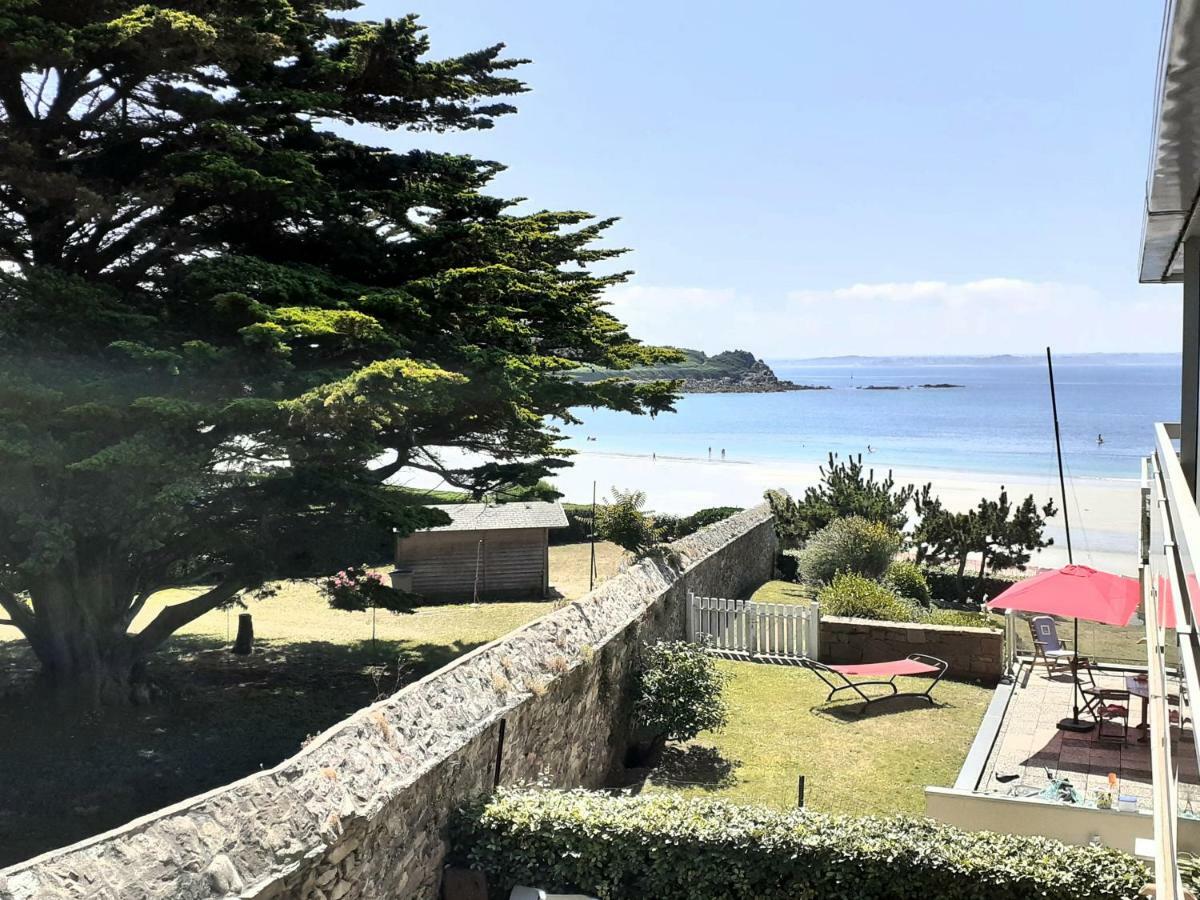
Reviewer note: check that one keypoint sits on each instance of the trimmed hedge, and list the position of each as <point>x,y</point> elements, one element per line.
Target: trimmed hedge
<point>943,585</point>
<point>672,848</point>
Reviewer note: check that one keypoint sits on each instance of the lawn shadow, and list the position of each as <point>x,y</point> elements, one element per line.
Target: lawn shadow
<point>695,765</point>
<point>687,766</point>
<point>215,717</point>
<point>856,710</point>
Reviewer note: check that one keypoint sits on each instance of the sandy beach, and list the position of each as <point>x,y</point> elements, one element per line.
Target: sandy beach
<point>1103,511</point>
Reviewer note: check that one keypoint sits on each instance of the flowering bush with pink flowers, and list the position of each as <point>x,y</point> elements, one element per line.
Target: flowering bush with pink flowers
<point>356,588</point>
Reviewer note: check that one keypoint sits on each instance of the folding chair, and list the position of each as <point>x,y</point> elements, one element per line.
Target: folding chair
<point>1047,645</point>
<point>836,677</point>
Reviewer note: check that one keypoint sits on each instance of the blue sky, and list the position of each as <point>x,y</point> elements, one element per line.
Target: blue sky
<point>801,178</point>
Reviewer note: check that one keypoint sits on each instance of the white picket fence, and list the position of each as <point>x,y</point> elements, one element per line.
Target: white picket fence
<point>743,628</point>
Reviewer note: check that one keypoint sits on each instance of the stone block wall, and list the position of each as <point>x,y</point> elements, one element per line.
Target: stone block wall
<point>360,813</point>
<point>975,654</point>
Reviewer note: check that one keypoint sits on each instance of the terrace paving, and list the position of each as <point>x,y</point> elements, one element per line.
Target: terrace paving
<point>1028,744</point>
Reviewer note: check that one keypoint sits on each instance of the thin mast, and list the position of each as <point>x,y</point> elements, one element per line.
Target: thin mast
<point>1062,481</point>
<point>1074,723</point>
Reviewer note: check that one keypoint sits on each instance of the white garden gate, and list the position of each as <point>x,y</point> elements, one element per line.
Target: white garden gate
<point>743,628</point>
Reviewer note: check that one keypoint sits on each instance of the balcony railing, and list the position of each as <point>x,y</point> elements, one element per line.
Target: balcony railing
<point>1170,551</point>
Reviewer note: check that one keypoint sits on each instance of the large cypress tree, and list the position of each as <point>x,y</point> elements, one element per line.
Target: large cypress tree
<point>224,324</point>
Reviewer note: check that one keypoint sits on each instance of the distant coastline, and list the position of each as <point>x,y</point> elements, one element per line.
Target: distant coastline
<point>729,372</point>
<point>1139,359</point>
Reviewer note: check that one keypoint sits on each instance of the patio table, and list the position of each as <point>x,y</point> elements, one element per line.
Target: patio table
<point>1140,687</point>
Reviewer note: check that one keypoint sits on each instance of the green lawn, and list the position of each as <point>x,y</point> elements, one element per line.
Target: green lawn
<point>780,727</point>
<point>217,716</point>
<point>783,592</point>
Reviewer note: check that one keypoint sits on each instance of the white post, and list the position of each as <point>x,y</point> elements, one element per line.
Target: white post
<point>690,617</point>
<point>1010,641</point>
<point>812,647</point>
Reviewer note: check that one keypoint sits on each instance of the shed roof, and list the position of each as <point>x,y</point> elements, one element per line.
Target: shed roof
<point>488,517</point>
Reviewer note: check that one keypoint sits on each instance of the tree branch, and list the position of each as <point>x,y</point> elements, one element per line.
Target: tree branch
<point>175,616</point>
<point>22,616</point>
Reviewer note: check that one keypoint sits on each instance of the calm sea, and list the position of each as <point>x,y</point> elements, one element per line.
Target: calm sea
<point>999,421</point>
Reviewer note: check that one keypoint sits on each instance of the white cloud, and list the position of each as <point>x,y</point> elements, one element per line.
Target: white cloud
<point>990,315</point>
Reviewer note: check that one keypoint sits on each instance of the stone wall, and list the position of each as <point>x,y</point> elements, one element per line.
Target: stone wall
<point>975,654</point>
<point>360,813</point>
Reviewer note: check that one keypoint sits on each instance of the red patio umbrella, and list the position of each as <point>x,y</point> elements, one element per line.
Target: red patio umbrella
<point>1076,592</point>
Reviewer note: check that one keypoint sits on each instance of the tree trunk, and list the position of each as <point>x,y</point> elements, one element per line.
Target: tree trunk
<point>78,626</point>
<point>983,558</point>
<point>244,643</point>
<point>81,641</point>
<point>958,576</point>
<point>93,669</point>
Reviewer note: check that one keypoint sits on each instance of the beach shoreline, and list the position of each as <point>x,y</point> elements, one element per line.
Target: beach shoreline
<point>1103,511</point>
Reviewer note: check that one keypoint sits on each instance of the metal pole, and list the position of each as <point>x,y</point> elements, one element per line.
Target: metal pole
<point>1062,481</point>
<point>499,753</point>
<point>1074,723</point>
<point>800,793</point>
<point>592,539</point>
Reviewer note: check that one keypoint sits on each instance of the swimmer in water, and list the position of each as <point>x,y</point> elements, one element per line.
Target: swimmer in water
<point>1099,439</point>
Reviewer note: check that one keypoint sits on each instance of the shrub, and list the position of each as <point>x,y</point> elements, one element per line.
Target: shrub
<point>862,598</point>
<point>702,518</point>
<point>679,692</point>
<point>674,848</point>
<point>579,525</point>
<point>907,580</point>
<point>854,545</point>
<point>357,588</point>
<point>944,585</point>
<point>961,619</point>
<point>622,521</point>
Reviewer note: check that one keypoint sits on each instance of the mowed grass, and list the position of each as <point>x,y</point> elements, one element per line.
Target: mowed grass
<point>783,592</point>
<point>217,716</point>
<point>780,727</point>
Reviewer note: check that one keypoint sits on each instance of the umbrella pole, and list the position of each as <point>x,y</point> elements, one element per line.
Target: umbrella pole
<point>1074,723</point>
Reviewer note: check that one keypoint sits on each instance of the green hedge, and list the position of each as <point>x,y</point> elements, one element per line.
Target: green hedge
<point>943,585</point>
<point>672,848</point>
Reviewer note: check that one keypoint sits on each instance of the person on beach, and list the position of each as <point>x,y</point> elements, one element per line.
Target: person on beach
<point>722,454</point>
<point>710,452</point>
<point>1099,439</point>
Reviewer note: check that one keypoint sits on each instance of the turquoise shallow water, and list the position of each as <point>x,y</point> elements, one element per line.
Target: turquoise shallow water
<point>999,421</point>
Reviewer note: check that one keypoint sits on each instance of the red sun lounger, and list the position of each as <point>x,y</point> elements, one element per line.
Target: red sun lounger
<point>882,673</point>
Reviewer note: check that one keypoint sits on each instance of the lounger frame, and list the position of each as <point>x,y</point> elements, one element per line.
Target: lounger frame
<point>831,678</point>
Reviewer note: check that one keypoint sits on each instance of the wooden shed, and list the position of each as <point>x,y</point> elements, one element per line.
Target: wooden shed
<point>493,552</point>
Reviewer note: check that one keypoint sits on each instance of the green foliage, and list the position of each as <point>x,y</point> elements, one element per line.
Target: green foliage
<point>541,491</point>
<point>622,521</point>
<point>1003,535</point>
<point>226,325</point>
<point>673,528</point>
<point>852,544</point>
<point>958,618</point>
<point>906,579</point>
<point>357,589</point>
<point>579,525</point>
<point>945,584</point>
<point>670,848</point>
<point>847,488</point>
<point>679,692</point>
<point>857,597</point>
<point>687,364</point>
